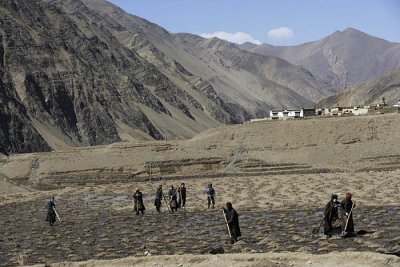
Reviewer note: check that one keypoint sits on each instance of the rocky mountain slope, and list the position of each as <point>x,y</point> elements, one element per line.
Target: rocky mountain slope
<point>371,92</point>
<point>244,81</point>
<point>342,59</point>
<point>69,82</point>
<point>83,72</point>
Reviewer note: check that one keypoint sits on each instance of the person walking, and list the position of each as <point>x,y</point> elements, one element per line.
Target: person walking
<point>159,197</point>
<point>232,219</point>
<point>210,195</point>
<point>331,214</point>
<point>138,200</point>
<point>51,213</point>
<point>173,198</point>
<point>182,196</point>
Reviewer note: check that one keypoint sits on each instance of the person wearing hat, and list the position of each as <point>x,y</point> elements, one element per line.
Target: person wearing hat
<point>159,197</point>
<point>232,219</point>
<point>138,200</point>
<point>51,214</point>
<point>210,195</point>
<point>347,206</point>
<point>331,214</point>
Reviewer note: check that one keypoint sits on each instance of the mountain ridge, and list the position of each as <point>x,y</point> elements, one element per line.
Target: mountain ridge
<point>369,93</point>
<point>165,42</point>
<point>343,58</point>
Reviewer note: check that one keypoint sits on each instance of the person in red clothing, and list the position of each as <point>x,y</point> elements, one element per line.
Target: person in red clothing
<point>347,207</point>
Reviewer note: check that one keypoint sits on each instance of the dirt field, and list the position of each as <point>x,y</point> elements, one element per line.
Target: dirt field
<point>278,175</point>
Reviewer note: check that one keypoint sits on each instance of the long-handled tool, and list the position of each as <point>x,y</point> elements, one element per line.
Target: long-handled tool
<point>180,198</point>
<point>344,233</point>
<point>58,217</point>
<point>227,225</point>
<point>316,230</point>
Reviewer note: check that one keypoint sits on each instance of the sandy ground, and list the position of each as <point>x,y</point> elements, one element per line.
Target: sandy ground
<point>267,170</point>
<point>345,259</point>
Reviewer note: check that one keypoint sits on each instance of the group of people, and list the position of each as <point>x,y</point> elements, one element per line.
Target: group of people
<point>176,199</point>
<point>338,216</point>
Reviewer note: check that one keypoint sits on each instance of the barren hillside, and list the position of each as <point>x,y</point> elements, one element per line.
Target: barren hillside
<point>79,73</point>
<point>369,93</point>
<point>342,58</point>
<point>244,81</point>
<point>275,147</point>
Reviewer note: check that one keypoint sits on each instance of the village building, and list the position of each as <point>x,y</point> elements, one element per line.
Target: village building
<point>397,106</point>
<point>343,111</point>
<point>291,113</point>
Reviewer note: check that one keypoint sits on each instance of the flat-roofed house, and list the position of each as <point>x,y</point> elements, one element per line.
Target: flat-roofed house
<point>291,113</point>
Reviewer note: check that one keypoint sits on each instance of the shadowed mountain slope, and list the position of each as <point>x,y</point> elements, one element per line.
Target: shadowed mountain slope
<point>84,72</point>
<point>246,82</point>
<point>74,83</point>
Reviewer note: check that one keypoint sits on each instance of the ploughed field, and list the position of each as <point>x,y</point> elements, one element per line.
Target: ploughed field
<point>101,225</point>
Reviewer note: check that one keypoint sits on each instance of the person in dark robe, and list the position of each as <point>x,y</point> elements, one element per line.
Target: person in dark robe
<point>210,195</point>
<point>347,207</point>
<point>51,214</point>
<point>138,200</point>
<point>159,197</point>
<point>182,196</point>
<point>173,203</point>
<point>232,219</point>
<point>331,214</point>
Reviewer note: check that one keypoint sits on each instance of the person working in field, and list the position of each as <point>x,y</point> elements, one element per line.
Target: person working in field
<point>182,196</point>
<point>210,195</point>
<point>138,202</point>
<point>159,197</point>
<point>51,213</point>
<point>331,214</point>
<point>173,203</point>
<point>347,207</point>
<point>232,219</point>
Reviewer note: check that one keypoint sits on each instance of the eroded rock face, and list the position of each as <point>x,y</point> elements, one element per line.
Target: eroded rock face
<point>16,131</point>
<point>87,73</point>
<point>72,77</point>
<point>67,72</point>
<point>248,84</point>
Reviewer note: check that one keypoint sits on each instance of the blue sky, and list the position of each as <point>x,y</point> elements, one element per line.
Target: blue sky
<point>278,22</point>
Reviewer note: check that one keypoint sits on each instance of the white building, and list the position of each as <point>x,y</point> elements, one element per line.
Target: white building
<point>291,113</point>
<point>397,106</point>
<point>357,111</point>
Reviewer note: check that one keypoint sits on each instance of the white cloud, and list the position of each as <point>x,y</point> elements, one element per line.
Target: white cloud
<point>238,37</point>
<point>281,33</point>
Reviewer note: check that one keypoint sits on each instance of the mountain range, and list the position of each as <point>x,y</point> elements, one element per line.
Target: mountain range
<point>386,87</point>
<point>85,72</point>
<point>342,59</point>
